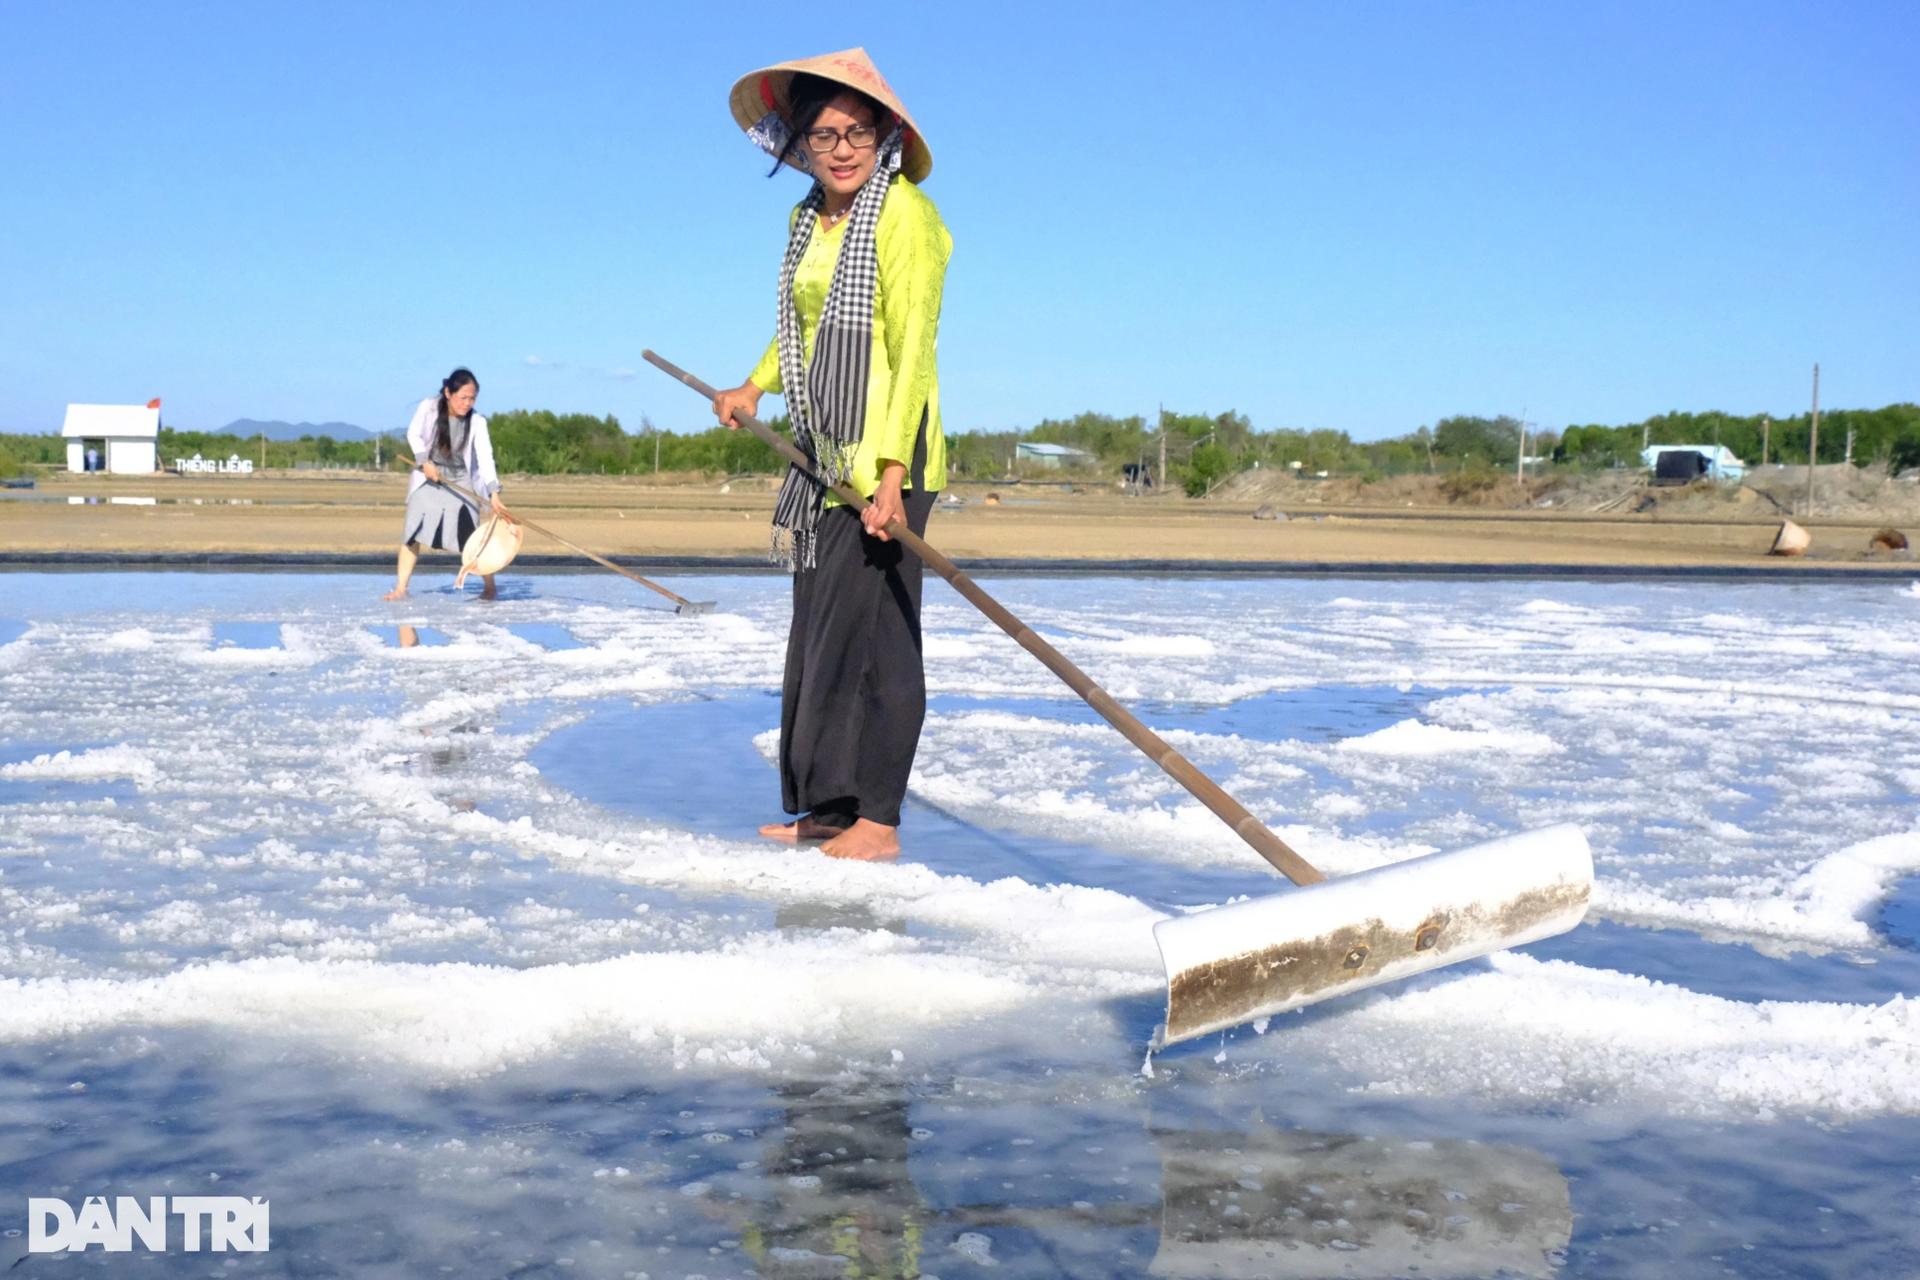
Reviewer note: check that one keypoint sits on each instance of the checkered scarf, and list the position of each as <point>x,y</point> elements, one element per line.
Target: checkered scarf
<point>827,400</point>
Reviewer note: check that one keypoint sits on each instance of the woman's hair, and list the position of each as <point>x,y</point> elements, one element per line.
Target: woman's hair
<point>807,97</point>
<point>442,432</point>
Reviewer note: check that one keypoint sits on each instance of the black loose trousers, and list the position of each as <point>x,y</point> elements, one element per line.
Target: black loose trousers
<point>855,692</point>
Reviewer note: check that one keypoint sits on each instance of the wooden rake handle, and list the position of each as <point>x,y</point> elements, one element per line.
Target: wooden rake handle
<point>479,501</point>
<point>1177,766</point>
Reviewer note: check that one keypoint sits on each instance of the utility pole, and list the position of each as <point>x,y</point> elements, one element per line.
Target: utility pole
<point>263,451</point>
<point>1160,477</point>
<point>656,451</point>
<point>1766,429</point>
<point>1813,440</point>
<point>1520,463</point>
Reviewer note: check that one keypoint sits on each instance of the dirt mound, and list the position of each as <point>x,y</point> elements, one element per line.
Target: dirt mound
<point>1841,492</point>
<point>1493,490</point>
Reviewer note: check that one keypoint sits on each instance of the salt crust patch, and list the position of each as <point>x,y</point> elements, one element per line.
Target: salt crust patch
<point>19,648</point>
<point>1551,1031</point>
<point>297,649</point>
<point>1062,924</point>
<point>1818,910</point>
<point>762,1003</point>
<point>1184,832</point>
<point>1175,646</point>
<point>1418,738</point>
<point>1784,693</point>
<point>120,761</point>
<point>1027,773</point>
<point>937,647</point>
<point>463,651</point>
<point>129,640</point>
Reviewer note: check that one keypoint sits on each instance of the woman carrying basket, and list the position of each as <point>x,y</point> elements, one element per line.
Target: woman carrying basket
<point>450,442</point>
<point>853,356</point>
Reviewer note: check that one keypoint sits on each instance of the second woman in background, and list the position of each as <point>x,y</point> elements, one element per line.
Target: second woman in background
<point>450,443</point>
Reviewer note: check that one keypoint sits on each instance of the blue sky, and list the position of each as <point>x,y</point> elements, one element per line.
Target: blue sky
<point>1353,215</point>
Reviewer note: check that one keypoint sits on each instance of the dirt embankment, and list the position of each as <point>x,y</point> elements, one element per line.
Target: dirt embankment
<point>1841,492</point>
<point>1486,525</point>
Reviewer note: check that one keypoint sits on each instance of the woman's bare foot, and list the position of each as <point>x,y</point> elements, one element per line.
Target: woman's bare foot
<point>864,841</point>
<point>490,591</point>
<point>793,832</point>
<point>408,557</point>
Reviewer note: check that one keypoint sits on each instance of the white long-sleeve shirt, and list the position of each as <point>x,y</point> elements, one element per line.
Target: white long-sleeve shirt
<point>480,473</point>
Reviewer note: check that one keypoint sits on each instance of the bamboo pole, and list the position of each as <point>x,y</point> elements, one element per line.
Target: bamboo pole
<point>1178,767</point>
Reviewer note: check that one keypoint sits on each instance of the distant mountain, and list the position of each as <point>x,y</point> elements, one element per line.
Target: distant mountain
<point>294,430</point>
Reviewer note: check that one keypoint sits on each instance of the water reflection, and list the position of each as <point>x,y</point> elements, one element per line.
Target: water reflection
<point>247,635</point>
<point>408,636</point>
<point>1282,1203</point>
<point>838,1198</point>
<point>444,756</point>
<point>805,916</point>
<point>550,636</point>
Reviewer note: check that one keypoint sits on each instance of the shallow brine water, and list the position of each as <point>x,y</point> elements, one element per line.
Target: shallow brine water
<point>443,927</point>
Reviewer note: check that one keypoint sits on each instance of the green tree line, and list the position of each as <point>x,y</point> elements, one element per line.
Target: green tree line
<point>1203,449</point>
<point>1200,449</point>
<point>542,443</point>
<point>537,442</point>
<point>1888,435</point>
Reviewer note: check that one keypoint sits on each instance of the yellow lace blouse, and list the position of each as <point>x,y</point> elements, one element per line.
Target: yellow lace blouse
<point>912,245</point>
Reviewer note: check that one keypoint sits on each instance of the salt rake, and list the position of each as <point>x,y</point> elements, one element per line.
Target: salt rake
<point>681,604</point>
<point>1233,964</point>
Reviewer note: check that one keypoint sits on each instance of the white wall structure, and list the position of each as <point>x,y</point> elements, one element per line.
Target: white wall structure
<point>1052,455</point>
<point>126,436</point>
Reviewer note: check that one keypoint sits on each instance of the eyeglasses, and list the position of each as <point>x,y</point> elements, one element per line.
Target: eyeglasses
<point>859,137</point>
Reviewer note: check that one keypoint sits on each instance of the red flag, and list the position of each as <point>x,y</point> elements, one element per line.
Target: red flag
<point>154,403</point>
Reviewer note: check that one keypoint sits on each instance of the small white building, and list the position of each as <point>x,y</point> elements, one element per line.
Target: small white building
<point>1052,455</point>
<point>121,438</point>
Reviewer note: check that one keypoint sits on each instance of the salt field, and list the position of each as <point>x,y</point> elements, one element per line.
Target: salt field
<point>443,926</point>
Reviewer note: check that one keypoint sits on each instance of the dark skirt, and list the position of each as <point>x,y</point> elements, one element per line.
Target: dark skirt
<point>855,692</point>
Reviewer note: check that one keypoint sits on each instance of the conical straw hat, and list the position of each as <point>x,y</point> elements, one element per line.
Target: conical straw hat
<point>756,94</point>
